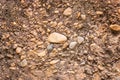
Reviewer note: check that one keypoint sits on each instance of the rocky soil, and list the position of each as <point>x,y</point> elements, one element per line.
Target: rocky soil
<point>59,39</point>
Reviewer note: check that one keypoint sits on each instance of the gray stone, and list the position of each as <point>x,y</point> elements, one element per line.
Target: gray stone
<point>50,47</point>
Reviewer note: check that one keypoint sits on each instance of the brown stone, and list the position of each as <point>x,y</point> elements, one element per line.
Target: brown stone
<point>115,27</point>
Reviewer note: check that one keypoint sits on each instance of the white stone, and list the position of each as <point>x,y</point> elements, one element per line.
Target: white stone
<point>57,38</point>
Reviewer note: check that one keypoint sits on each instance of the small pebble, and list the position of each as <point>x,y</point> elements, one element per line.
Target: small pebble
<point>56,38</point>
<point>78,14</point>
<point>56,11</point>
<point>65,45</point>
<point>15,46</point>
<point>50,47</point>
<point>77,25</point>
<point>72,45</point>
<point>90,58</point>
<point>5,36</point>
<point>115,27</point>
<point>23,63</point>
<point>53,23</point>
<point>41,54</point>
<point>99,12</point>
<point>83,16</point>
<point>80,39</point>
<point>67,11</point>
<point>100,67</point>
<point>18,50</point>
<point>34,33</point>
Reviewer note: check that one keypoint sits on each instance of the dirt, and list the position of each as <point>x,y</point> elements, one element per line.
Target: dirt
<point>26,53</point>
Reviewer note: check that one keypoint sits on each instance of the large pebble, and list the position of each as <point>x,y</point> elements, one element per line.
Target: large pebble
<point>99,12</point>
<point>115,27</point>
<point>72,45</point>
<point>57,38</point>
<point>67,11</point>
<point>80,39</point>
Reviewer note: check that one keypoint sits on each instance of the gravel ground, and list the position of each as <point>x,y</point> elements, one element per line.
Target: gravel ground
<point>59,39</point>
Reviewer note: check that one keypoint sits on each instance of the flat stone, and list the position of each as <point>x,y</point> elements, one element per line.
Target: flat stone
<point>67,11</point>
<point>72,45</point>
<point>56,38</point>
<point>115,27</point>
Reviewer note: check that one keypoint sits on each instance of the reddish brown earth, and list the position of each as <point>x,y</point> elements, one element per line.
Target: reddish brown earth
<point>85,47</point>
